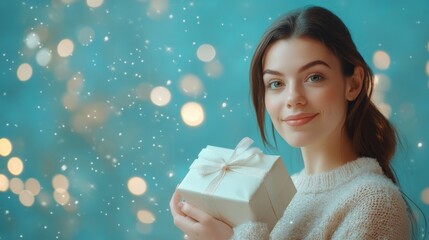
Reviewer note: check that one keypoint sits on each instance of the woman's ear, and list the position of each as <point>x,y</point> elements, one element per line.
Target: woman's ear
<point>354,84</point>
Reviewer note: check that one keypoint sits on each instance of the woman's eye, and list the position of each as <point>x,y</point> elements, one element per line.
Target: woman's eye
<point>315,78</point>
<point>274,84</point>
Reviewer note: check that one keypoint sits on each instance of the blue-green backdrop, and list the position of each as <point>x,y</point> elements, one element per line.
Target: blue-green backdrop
<point>88,115</point>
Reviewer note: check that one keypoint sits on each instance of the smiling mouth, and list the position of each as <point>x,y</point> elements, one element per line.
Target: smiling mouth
<point>299,120</point>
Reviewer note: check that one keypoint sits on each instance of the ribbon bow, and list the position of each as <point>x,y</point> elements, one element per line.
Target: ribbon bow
<point>241,161</point>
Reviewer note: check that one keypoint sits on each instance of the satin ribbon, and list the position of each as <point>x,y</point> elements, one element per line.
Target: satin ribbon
<point>242,160</point>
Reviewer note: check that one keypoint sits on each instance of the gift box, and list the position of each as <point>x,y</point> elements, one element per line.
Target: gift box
<point>240,185</point>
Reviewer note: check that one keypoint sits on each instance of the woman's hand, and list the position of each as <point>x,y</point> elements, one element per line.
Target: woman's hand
<point>195,223</point>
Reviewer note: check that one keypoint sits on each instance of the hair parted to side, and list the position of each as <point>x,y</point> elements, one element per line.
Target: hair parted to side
<point>370,132</point>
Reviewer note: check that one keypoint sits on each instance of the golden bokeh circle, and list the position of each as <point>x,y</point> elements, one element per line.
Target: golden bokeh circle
<point>137,185</point>
<point>5,147</point>
<point>15,166</point>
<point>145,216</point>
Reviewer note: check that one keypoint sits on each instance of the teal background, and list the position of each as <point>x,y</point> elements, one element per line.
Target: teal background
<point>138,138</point>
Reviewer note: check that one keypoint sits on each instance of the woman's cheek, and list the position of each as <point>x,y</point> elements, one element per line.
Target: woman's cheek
<point>269,109</point>
<point>328,97</point>
<point>330,101</point>
<point>272,104</point>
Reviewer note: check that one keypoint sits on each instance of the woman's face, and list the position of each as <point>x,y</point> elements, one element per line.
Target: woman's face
<point>305,91</point>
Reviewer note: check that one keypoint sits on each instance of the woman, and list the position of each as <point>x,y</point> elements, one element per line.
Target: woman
<point>316,87</point>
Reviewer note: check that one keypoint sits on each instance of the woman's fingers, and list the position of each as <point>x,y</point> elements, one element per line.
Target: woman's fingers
<point>182,221</point>
<point>195,213</point>
<point>195,223</point>
<point>174,204</point>
<point>185,223</point>
<point>185,209</point>
<point>200,225</point>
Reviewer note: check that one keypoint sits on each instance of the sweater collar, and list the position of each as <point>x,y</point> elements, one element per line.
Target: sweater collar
<point>329,180</point>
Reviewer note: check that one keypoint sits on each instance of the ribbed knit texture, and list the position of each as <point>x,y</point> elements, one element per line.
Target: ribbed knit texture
<point>354,201</point>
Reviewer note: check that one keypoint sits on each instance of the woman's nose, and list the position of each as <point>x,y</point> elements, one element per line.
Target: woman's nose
<point>295,96</point>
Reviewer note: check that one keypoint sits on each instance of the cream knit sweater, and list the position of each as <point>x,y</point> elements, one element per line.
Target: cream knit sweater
<point>354,201</point>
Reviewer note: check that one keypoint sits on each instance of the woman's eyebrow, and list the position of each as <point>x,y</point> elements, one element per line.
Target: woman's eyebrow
<point>272,72</point>
<point>312,64</point>
<point>303,68</point>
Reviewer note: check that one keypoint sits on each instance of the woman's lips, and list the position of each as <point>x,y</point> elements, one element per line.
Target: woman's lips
<point>300,119</point>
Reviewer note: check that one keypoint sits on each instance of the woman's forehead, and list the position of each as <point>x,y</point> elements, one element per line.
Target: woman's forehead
<point>294,53</point>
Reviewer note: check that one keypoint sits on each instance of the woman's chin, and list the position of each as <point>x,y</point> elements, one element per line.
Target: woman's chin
<point>296,142</point>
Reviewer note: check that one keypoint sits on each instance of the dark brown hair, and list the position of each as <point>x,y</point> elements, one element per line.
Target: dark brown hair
<point>370,132</point>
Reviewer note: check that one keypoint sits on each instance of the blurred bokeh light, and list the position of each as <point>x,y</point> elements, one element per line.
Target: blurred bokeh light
<point>105,104</point>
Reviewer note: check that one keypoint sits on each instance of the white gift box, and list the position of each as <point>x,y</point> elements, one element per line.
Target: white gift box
<point>240,185</point>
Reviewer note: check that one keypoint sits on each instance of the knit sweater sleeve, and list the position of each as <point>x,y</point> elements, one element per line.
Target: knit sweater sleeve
<point>251,231</point>
<point>376,213</point>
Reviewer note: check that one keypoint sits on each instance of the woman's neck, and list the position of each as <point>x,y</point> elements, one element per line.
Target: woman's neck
<point>328,155</point>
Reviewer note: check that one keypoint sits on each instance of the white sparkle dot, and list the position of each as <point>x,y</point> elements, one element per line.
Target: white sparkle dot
<point>419,145</point>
